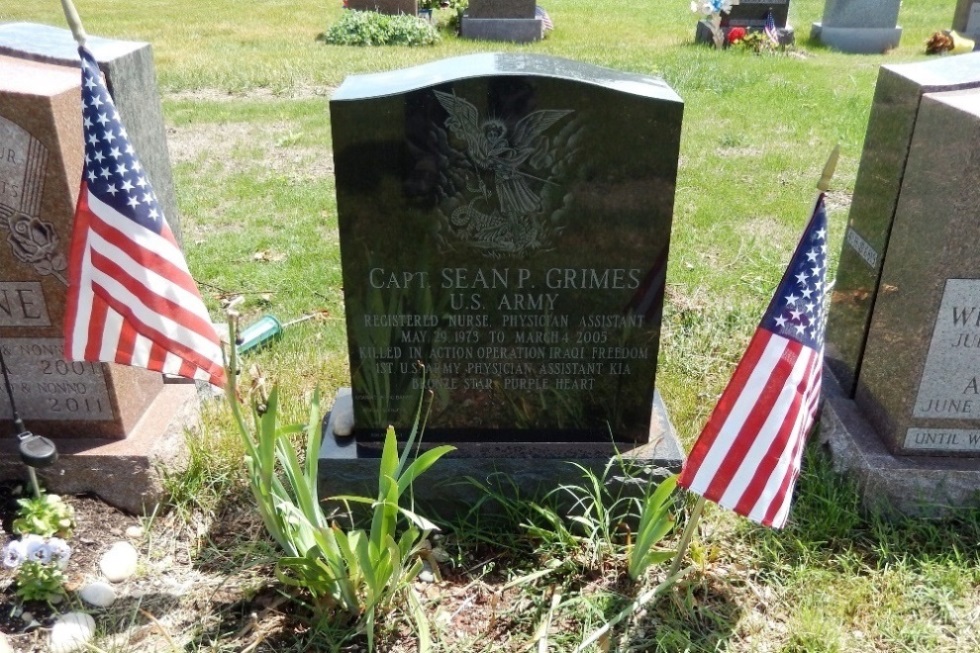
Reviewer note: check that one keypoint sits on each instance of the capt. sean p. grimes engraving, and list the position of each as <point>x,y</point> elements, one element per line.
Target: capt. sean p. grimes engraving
<point>32,240</point>
<point>498,176</point>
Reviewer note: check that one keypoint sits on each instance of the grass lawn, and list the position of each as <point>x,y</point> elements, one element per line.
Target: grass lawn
<point>245,89</point>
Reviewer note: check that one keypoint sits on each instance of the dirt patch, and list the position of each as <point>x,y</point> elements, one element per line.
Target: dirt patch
<point>229,148</point>
<point>220,95</point>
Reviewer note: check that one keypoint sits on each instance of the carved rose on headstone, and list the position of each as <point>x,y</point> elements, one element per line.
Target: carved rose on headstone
<point>35,242</point>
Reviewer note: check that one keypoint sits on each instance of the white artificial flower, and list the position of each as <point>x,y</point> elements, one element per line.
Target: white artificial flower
<point>32,545</point>
<point>40,554</point>
<point>14,554</point>
<point>60,551</point>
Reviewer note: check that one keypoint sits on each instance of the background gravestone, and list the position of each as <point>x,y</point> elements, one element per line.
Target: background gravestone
<point>751,15</point>
<point>502,20</point>
<point>115,418</point>
<point>966,20</point>
<point>911,334</point>
<point>501,223</point>
<point>859,26</point>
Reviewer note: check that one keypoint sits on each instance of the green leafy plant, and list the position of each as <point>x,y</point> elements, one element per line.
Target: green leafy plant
<point>656,522</point>
<point>372,28</point>
<point>45,515</point>
<point>356,572</point>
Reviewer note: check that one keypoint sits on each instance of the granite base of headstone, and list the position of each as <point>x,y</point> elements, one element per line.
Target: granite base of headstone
<point>966,19</point>
<point>704,33</point>
<point>389,7</point>
<point>897,485</point>
<point>859,26</point>
<point>501,20</point>
<point>129,474</point>
<point>461,481</point>
<point>131,77</point>
<point>512,30</point>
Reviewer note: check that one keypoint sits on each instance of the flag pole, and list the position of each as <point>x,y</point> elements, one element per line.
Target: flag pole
<point>74,22</point>
<point>822,185</point>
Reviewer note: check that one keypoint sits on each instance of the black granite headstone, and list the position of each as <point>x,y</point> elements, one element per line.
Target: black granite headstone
<point>505,220</point>
<point>752,13</point>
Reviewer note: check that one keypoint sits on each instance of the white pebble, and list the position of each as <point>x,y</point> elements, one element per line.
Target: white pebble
<point>427,576</point>
<point>342,414</point>
<point>5,646</point>
<point>71,632</point>
<point>99,594</point>
<point>119,562</point>
<point>134,532</point>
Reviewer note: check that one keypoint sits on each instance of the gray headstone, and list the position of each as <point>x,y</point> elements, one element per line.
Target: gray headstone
<point>129,72</point>
<point>859,26</point>
<point>920,373</point>
<point>505,220</point>
<point>966,20</point>
<point>861,13</point>
<point>752,13</point>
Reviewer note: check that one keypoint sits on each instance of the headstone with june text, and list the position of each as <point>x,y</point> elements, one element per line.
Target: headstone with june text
<point>903,341</point>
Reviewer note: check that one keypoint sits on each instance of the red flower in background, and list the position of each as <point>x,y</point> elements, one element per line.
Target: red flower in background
<point>736,34</point>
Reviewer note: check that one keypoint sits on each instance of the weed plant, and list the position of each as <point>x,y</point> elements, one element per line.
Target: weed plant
<point>351,573</point>
<point>372,28</point>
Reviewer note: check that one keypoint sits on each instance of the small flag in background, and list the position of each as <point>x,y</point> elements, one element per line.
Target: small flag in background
<point>771,32</point>
<point>539,12</point>
<point>131,298</point>
<point>748,456</point>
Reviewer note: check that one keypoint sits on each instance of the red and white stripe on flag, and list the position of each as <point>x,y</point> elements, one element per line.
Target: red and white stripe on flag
<point>748,456</point>
<point>132,300</point>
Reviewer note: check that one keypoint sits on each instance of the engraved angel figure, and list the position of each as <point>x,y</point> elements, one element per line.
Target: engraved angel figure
<point>502,154</point>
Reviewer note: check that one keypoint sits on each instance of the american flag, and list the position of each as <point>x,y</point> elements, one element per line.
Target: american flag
<point>771,32</point>
<point>748,457</point>
<point>131,298</point>
<point>539,12</point>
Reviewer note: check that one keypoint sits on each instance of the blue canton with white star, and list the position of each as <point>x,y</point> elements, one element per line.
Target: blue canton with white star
<point>798,310</point>
<point>112,171</point>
